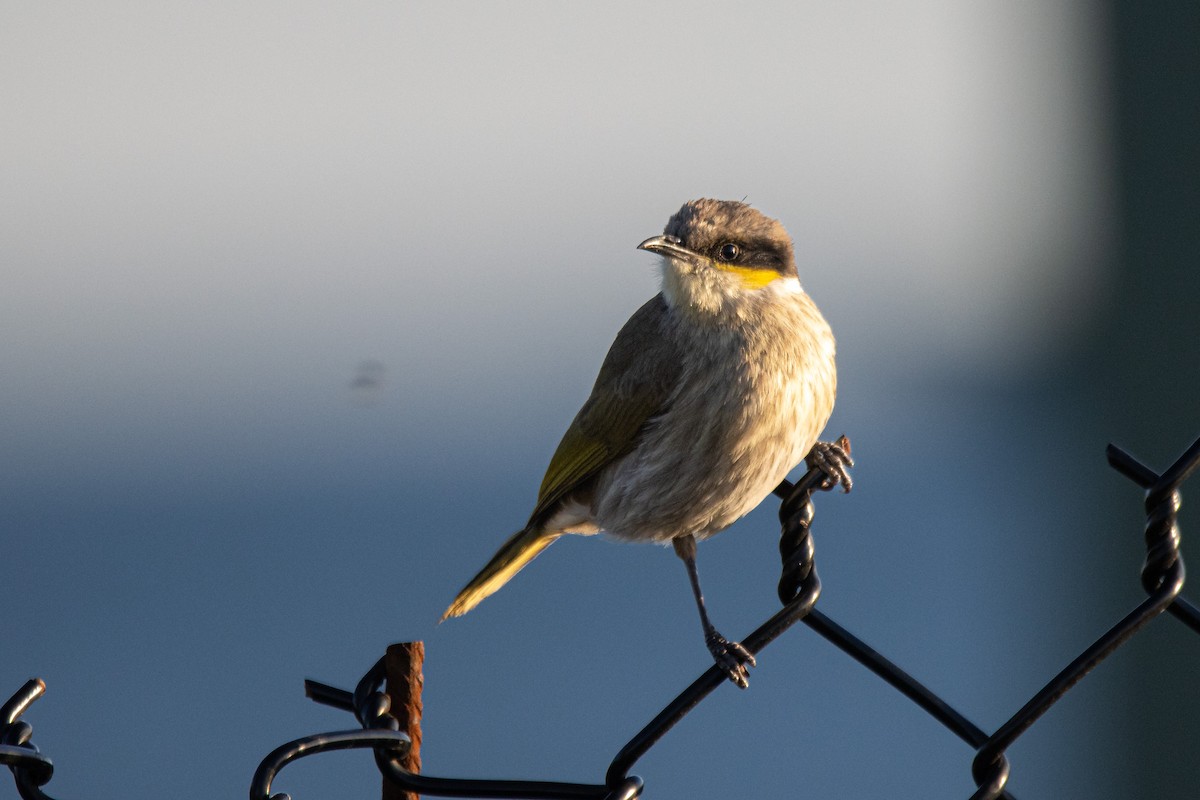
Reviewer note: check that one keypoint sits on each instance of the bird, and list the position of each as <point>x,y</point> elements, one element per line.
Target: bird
<point>713,391</point>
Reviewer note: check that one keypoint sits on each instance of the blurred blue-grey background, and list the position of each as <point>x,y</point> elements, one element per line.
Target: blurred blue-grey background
<point>298,297</point>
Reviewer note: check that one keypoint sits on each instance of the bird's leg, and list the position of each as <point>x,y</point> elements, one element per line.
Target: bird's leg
<point>732,657</point>
<point>832,458</point>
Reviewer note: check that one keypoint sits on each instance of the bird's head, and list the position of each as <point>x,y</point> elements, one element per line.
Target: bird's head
<point>718,253</point>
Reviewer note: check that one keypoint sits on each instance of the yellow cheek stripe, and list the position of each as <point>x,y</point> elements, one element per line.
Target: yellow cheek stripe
<point>752,277</point>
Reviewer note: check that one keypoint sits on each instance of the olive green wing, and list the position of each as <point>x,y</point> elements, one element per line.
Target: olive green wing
<point>635,382</point>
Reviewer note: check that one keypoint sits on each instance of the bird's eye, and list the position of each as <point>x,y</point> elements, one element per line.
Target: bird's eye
<point>729,252</point>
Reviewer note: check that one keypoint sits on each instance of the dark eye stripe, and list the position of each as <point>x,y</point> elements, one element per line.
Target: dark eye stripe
<point>756,254</point>
<point>764,259</point>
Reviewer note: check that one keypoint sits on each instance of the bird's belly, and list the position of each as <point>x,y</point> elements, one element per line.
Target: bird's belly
<point>707,463</point>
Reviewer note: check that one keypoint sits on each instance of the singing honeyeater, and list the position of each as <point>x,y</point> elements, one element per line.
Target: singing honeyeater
<point>711,393</point>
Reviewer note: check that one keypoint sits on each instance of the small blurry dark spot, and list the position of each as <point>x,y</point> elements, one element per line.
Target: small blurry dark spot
<point>367,384</point>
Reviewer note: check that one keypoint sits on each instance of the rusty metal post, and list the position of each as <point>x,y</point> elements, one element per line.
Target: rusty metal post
<point>402,666</point>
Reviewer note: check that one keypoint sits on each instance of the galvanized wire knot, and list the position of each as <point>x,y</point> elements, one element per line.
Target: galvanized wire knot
<point>796,548</point>
<point>827,469</point>
<point>1162,537</point>
<point>30,768</point>
<point>1163,571</point>
<point>372,709</point>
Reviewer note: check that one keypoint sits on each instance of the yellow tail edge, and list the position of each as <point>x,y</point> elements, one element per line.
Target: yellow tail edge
<point>521,548</point>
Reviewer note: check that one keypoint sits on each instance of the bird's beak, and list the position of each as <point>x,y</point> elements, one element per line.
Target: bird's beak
<point>667,246</point>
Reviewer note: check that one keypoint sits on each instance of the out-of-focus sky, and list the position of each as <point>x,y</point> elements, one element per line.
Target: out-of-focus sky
<point>219,219</point>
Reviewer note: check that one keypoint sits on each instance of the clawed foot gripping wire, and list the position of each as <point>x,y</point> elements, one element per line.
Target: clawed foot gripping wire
<point>799,587</point>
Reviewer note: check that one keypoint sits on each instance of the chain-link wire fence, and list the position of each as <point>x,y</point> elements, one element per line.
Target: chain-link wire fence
<point>1162,577</point>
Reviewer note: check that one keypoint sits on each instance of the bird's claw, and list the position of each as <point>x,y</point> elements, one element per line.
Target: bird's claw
<point>832,458</point>
<point>731,657</point>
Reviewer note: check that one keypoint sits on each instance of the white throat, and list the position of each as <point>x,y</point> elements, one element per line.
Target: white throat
<point>707,291</point>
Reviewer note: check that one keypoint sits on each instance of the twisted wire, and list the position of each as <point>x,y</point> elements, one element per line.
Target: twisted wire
<point>31,770</point>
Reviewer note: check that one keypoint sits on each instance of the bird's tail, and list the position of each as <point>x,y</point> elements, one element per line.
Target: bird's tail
<point>521,548</point>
